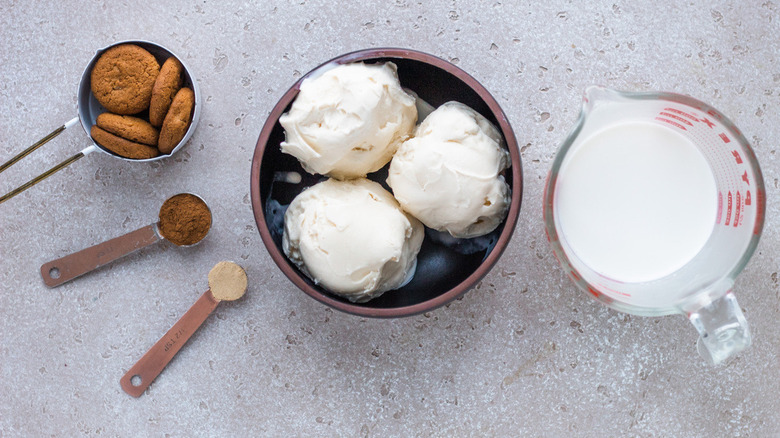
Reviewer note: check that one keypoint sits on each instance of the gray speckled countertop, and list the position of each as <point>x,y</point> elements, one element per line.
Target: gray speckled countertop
<point>523,354</point>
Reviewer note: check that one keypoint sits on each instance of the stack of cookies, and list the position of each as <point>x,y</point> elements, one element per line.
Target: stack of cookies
<point>148,110</point>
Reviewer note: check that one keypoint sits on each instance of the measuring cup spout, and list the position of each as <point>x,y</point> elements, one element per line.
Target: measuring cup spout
<point>722,328</point>
<point>598,109</point>
<point>597,95</point>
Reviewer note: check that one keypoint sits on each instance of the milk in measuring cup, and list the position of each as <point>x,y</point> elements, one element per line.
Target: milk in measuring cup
<point>636,201</point>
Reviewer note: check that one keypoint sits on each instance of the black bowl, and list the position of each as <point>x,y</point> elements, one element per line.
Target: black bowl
<point>444,272</point>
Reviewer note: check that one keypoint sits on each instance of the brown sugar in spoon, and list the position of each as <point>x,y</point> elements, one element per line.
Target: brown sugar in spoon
<point>227,282</point>
<point>184,220</point>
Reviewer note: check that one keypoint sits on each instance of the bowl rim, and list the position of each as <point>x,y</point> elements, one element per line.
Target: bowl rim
<point>461,288</point>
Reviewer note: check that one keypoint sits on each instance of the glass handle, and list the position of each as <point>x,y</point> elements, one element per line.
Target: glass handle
<point>722,328</point>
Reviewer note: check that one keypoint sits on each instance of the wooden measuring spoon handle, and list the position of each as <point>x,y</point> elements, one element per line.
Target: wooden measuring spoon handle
<point>57,272</point>
<point>154,361</point>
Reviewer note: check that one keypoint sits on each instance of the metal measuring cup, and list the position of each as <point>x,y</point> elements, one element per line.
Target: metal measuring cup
<point>88,110</point>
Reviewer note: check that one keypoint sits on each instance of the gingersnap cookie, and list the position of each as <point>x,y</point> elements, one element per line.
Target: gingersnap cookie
<point>129,127</point>
<point>166,86</point>
<point>123,77</point>
<point>176,121</point>
<point>121,146</point>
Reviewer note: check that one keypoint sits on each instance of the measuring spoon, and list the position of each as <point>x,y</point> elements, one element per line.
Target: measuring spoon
<point>64,269</point>
<point>227,282</point>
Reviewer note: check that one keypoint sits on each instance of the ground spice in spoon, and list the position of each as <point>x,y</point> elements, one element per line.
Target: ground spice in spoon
<point>184,219</point>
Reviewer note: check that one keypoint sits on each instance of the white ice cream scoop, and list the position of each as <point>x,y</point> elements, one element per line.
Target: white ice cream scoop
<point>352,238</point>
<point>449,174</point>
<point>348,120</point>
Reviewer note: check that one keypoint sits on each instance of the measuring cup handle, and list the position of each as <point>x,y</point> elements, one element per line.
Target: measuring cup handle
<point>155,360</point>
<point>57,272</point>
<point>43,176</point>
<point>722,328</point>
<point>38,144</point>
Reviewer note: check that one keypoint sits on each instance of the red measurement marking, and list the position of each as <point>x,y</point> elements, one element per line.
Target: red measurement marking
<point>760,199</point>
<point>737,157</point>
<point>713,113</point>
<point>670,115</point>
<point>574,276</point>
<point>728,210</point>
<point>684,114</point>
<point>661,119</point>
<point>720,207</point>
<point>745,178</point>
<point>606,289</point>
<point>724,137</point>
<point>737,210</point>
<point>748,201</point>
<point>593,291</point>
<point>710,124</point>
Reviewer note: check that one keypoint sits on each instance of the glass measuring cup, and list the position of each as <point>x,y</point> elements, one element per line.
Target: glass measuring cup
<point>701,287</point>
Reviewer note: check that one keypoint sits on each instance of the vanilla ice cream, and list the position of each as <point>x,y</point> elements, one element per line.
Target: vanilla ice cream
<point>448,174</point>
<point>352,238</point>
<point>349,120</point>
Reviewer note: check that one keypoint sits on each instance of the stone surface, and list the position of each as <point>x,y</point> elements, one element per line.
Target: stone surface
<point>523,354</point>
